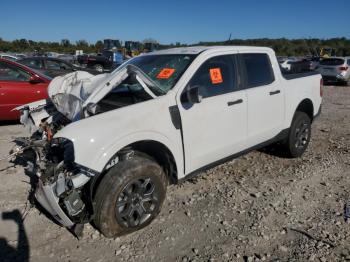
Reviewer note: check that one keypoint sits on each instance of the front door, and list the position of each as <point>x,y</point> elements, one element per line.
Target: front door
<point>216,127</point>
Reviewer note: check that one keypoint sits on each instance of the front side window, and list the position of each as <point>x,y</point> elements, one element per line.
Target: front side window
<point>12,73</point>
<point>216,76</point>
<point>258,69</point>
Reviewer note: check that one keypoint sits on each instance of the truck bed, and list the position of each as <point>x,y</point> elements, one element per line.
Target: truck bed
<point>289,76</point>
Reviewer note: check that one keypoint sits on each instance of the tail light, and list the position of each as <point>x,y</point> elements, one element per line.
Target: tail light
<point>321,87</point>
<point>343,68</point>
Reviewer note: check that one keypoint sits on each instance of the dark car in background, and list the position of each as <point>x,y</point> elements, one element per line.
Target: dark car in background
<point>314,62</point>
<point>293,65</point>
<point>52,66</point>
<point>107,61</point>
<point>300,66</point>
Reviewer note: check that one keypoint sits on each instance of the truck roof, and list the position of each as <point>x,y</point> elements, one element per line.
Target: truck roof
<point>194,50</point>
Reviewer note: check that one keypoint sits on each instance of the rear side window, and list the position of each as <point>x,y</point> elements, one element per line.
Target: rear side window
<point>258,69</point>
<point>332,61</point>
<point>216,76</point>
<point>348,61</point>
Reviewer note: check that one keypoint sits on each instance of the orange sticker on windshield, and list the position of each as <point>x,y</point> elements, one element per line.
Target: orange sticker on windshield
<point>215,76</point>
<point>165,73</point>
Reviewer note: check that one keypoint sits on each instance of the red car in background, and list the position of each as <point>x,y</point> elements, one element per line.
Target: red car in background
<point>19,85</point>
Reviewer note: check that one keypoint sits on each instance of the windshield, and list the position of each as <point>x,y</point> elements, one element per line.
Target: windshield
<point>164,70</point>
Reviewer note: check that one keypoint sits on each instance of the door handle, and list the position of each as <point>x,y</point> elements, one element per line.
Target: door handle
<point>231,103</point>
<point>275,92</point>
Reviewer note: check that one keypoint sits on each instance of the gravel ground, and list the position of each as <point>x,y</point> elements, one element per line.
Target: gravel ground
<point>260,207</point>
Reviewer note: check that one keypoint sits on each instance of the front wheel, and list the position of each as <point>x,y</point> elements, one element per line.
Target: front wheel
<point>130,196</point>
<point>299,135</point>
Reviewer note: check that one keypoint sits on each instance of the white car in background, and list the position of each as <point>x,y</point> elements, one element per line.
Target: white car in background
<point>335,69</point>
<point>287,63</point>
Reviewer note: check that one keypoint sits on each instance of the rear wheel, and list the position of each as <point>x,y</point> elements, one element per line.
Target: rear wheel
<point>130,196</point>
<point>299,135</point>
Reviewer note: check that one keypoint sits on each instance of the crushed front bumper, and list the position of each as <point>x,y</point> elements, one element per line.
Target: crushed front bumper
<point>46,196</point>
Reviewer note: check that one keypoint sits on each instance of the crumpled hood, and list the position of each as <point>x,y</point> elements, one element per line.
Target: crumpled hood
<point>68,92</point>
<point>72,92</point>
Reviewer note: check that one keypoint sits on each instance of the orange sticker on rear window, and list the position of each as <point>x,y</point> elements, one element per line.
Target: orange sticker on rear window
<point>165,73</point>
<point>215,76</point>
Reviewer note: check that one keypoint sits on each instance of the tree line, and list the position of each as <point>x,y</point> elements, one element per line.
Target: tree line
<point>294,47</point>
<point>282,46</point>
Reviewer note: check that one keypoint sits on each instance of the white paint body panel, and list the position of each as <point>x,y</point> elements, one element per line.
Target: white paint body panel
<point>211,129</point>
<point>96,139</point>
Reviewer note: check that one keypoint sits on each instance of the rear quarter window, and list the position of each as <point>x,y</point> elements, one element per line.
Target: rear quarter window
<point>258,69</point>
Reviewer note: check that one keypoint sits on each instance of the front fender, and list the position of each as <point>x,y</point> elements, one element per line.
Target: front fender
<point>174,147</point>
<point>96,154</point>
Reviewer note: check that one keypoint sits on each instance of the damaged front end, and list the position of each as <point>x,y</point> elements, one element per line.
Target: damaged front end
<point>60,188</point>
<point>61,182</point>
<point>65,186</point>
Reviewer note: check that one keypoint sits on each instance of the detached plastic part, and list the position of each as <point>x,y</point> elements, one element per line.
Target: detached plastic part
<point>347,210</point>
<point>46,197</point>
<point>78,230</point>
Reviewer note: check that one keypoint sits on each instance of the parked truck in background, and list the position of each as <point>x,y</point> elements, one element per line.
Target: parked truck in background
<point>108,155</point>
<point>100,63</point>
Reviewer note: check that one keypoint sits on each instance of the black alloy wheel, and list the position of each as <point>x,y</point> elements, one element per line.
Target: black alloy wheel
<point>137,202</point>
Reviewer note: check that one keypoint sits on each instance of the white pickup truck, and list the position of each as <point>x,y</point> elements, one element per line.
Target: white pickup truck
<point>105,147</point>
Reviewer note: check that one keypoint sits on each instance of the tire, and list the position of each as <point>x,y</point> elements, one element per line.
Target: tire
<point>138,187</point>
<point>299,135</point>
<point>98,68</point>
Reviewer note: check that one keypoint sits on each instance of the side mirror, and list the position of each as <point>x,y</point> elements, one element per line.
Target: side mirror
<point>193,95</point>
<point>34,79</point>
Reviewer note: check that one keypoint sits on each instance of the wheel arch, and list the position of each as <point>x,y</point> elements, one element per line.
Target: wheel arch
<point>307,107</point>
<point>155,149</point>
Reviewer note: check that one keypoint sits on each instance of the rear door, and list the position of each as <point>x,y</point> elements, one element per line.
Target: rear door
<point>16,90</point>
<point>216,127</point>
<point>265,98</point>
